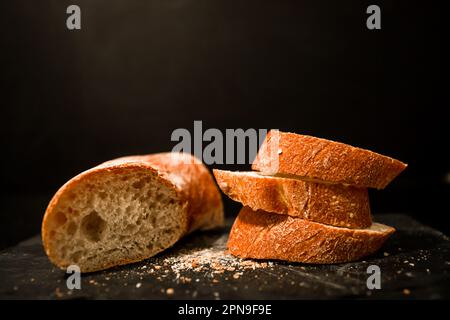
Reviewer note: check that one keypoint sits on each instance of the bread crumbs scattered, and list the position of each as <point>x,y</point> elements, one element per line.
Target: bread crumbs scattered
<point>406,292</point>
<point>208,261</point>
<point>185,279</point>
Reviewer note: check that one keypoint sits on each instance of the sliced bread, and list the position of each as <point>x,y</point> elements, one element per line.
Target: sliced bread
<point>264,235</point>
<point>331,204</point>
<point>295,155</point>
<point>129,209</point>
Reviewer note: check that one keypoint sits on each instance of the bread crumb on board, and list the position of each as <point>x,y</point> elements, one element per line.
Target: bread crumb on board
<point>212,261</point>
<point>170,291</point>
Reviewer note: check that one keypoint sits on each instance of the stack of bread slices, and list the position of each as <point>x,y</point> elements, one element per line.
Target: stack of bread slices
<point>307,200</point>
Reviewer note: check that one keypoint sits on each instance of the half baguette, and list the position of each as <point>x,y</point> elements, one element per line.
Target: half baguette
<point>296,155</point>
<point>264,235</point>
<point>129,209</point>
<point>332,204</point>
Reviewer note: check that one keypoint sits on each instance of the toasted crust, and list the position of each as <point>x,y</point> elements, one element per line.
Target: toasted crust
<point>331,204</point>
<point>263,235</point>
<point>195,184</point>
<point>183,173</point>
<point>305,156</point>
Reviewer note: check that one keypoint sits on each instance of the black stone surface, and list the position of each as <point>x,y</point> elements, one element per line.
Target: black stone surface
<point>414,263</point>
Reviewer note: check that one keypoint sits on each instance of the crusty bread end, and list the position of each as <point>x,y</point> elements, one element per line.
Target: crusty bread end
<point>129,209</point>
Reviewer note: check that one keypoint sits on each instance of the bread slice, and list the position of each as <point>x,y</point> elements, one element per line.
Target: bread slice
<point>264,235</point>
<point>129,209</point>
<point>295,155</point>
<point>331,204</point>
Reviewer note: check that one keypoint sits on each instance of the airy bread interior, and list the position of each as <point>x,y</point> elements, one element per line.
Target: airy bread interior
<point>110,218</point>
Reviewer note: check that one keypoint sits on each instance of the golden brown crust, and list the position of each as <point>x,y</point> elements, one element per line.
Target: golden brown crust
<point>263,235</point>
<point>331,204</point>
<point>195,184</point>
<point>325,160</point>
<point>183,173</point>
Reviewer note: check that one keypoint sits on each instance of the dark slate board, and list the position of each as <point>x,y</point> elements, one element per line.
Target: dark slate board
<point>414,263</point>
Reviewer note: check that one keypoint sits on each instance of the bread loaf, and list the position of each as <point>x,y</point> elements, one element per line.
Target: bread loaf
<point>129,209</point>
<point>264,235</point>
<point>332,204</point>
<point>294,155</point>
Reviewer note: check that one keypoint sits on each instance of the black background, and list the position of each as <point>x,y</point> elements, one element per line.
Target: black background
<point>140,69</point>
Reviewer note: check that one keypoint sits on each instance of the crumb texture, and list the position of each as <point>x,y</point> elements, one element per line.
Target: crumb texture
<point>103,220</point>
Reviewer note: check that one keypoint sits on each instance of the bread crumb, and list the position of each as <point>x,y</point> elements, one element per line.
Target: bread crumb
<point>138,285</point>
<point>170,291</point>
<point>58,292</point>
<point>406,292</point>
<point>157,267</point>
<point>185,279</point>
<point>194,263</point>
<point>385,254</point>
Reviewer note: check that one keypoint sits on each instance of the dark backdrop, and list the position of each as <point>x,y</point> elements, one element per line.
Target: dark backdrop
<point>140,69</point>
